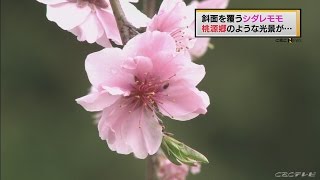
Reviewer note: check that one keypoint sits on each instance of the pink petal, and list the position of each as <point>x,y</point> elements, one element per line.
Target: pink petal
<point>169,171</point>
<point>51,2</point>
<point>67,15</point>
<point>109,127</point>
<point>148,43</point>
<point>114,90</point>
<point>172,15</point>
<point>195,169</point>
<point>102,66</point>
<point>97,101</point>
<point>142,133</point>
<point>201,44</point>
<point>192,73</point>
<point>175,17</point>
<point>137,131</point>
<point>109,24</point>
<point>168,5</point>
<point>200,47</point>
<point>139,66</point>
<point>190,9</point>
<point>166,64</point>
<point>183,102</point>
<point>214,4</point>
<point>104,41</point>
<point>152,132</point>
<point>134,15</point>
<point>90,29</point>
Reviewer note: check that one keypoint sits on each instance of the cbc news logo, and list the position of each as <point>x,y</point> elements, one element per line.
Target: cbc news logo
<point>295,174</point>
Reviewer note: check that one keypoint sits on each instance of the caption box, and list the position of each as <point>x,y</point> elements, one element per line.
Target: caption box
<point>248,23</point>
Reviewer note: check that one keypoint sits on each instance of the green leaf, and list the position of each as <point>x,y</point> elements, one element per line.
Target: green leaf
<point>177,152</point>
<point>170,155</point>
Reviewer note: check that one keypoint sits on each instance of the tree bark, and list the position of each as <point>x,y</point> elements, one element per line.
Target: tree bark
<point>126,29</point>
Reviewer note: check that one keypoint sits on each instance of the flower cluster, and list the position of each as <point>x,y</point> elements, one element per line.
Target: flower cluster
<point>166,170</point>
<point>133,85</point>
<point>92,20</point>
<point>150,76</point>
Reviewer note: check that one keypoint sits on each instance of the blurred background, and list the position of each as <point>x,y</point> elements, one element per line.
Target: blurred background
<point>263,118</point>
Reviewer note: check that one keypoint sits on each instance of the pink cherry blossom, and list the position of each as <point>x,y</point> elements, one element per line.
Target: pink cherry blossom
<point>212,4</point>
<point>92,20</point>
<point>172,18</point>
<point>201,44</point>
<point>177,19</point>
<point>134,85</point>
<point>166,170</point>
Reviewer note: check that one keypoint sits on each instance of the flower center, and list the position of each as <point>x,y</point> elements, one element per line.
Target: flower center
<point>182,37</point>
<point>147,92</point>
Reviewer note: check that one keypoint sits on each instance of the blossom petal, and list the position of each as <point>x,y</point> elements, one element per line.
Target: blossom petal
<point>201,44</point>
<point>90,29</point>
<point>109,127</point>
<point>51,2</point>
<point>152,132</point>
<point>134,15</point>
<point>148,43</point>
<point>168,5</point>
<point>166,65</point>
<point>102,66</point>
<point>172,65</point>
<point>183,102</point>
<point>83,32</point>
<point>172,14</point>
<point>97,101</point>
<point>109,24</point>
<point>142,133</point>
<point>137,131</point>
<point>140,66</point>
<point>104,41</point>
<point>67,15</point>
<point>200,47</point>
<point>192,73</point>
<point>215,4</point>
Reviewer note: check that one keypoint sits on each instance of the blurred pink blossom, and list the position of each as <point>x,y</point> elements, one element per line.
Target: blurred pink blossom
<point>201,44</point>
<point>211,4</point>
<point>168,171</point>
<point>177,19</point>
<point>134,85</point>
<point>172,18</point>
<point>92,20</point>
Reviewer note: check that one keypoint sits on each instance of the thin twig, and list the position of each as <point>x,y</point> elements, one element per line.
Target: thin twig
<point>151,173</point>
<point>126,29</point>
<point>149,7</point>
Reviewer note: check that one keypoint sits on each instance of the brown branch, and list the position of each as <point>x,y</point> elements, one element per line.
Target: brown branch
<point>149,7</point>
<point>152,163</point>
<point>126,29</point>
